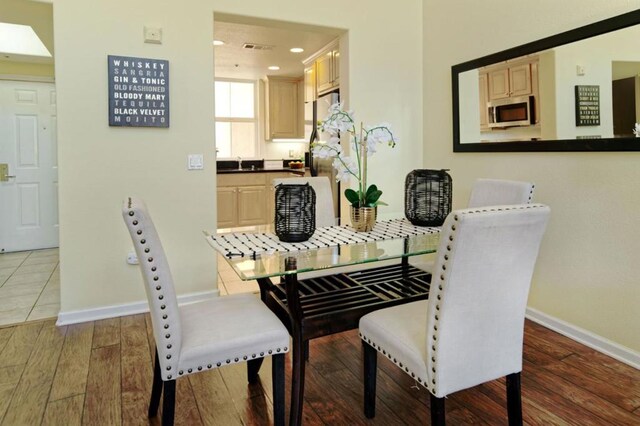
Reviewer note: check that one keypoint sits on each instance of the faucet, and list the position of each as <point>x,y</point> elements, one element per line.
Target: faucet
<point>239,163</point>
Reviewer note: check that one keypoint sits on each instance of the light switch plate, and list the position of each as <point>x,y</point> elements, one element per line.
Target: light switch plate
<point>153,35</point>
<point>195,162</point>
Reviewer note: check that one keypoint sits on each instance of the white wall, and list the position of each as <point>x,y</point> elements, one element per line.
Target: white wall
<point>588,269</point>
<point>99,165</point>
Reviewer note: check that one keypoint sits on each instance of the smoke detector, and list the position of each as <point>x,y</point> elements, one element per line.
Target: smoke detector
<point>256,46</point>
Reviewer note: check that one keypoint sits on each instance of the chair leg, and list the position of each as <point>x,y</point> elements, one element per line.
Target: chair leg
<point>253,368</point>
<point>514,399</point>
<point>370,370</point>
<point>169,403</point>
<point>156,390</point>
<point>277,377</point>
<point>306,350</point>
<point>437,411</point>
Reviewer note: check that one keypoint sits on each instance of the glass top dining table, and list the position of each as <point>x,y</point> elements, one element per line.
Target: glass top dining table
<point>335,298</point>
<point>304,257</point>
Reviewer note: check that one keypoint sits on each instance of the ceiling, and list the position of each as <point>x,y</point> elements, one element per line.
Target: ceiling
<point>234,61</point>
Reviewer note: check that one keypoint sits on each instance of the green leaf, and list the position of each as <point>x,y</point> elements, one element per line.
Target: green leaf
<point>372,197</point>
<point>372,188</point>
<point>352,196</point>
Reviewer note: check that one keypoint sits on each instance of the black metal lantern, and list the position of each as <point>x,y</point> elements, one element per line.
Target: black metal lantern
<point>427,197</point>
<point>295,212</point>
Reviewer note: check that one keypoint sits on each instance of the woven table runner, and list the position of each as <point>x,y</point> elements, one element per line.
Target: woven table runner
<point>250,244</point>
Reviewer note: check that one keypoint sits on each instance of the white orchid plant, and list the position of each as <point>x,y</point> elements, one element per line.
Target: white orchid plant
<point>363,144</point>
<point>636,130</point>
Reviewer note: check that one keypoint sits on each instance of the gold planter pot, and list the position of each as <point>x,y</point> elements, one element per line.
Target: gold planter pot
<point>363,218</point>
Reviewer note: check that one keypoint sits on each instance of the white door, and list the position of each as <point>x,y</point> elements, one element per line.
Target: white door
<point>28,146</point>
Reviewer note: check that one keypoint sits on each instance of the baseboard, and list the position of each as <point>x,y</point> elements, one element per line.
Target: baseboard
<point>587,338</point>
<point>84,315</point>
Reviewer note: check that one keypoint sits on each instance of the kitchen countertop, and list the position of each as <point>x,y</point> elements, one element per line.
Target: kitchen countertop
<point>263,170</point>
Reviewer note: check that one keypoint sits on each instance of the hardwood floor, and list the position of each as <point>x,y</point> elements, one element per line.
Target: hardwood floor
<point>99,373</point>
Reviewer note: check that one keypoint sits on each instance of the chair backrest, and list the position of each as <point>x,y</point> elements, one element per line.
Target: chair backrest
<point>324,197</point>
<point>497,192</point>
<point>478,294</point>
<point>158,284</point>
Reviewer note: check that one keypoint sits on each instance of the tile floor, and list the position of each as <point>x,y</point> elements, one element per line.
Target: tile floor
<point>29,286</point>
<point>230,283</point>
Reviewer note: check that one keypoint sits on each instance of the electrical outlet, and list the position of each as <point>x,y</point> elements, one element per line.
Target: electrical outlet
<point>132,259</point>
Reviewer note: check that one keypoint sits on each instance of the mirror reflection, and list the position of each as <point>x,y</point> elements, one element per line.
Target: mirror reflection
<point>580,93</point>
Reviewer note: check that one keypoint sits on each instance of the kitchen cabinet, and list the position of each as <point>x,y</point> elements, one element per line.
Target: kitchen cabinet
<point>246,199</point>
<point>510,82</point>
<point>328,70</point>
<point>310,93</point>
<point>252,205</point>
<point>285,108</point>
<point>322,71</point>
<point>227,207</point>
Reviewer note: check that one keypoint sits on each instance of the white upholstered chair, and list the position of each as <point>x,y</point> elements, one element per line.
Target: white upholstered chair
<point>470,331</point>
<point>205,335</point>
<point>325,215</point>
<point>498,192</point>
<point>489,192</point>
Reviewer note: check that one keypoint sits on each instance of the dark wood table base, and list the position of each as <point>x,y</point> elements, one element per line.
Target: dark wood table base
<point>331,304</point>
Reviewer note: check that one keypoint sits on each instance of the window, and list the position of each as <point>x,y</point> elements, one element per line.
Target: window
<point>236,119</point>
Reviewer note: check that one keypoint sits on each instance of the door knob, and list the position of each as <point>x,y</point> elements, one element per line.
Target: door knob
<point>4,173</point>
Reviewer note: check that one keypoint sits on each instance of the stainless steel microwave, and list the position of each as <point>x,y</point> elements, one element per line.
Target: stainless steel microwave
<point>512,112</point>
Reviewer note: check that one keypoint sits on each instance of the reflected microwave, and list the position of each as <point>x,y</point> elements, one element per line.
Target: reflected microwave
<point>512,112</point>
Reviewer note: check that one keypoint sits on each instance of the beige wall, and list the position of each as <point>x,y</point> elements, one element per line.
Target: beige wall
<point>40,17</point>
<point>100,165</point>
<point>588,269</point>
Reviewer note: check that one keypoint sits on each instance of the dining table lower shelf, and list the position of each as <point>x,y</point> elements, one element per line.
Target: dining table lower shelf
<point>335,303</point>
<point>325,305</point>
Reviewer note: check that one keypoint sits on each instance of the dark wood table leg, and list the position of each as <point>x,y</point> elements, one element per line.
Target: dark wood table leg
<point>298,347</point>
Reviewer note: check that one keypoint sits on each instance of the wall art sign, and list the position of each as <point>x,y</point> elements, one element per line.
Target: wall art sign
<point>587,105</point>
<point>138,92</point>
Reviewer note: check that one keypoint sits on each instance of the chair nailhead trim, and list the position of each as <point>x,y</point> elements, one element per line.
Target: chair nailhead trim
<point>169,377</point>
<point>218,364</point>
<point>199,368</point>
<point>190,370</point>
<point>131,213</point>
<point>139,232</point>
<point>142,241</point>
<point>135,222</point>
<point>169,346</point>
<point>153,269</point>
<point>395,360</point>
<point>158,287</point>
<point>236,359</point>
<point>209,365</point>
<point>147,250</point>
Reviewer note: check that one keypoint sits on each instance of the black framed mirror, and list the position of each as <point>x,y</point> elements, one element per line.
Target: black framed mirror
<point>575,91</point>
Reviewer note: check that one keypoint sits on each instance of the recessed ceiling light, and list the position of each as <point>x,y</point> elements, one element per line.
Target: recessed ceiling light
<point>218,42</point>
<point>296,50</point>
<point>274,67</point>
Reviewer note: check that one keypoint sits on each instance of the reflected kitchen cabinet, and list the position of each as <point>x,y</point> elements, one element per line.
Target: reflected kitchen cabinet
<point>483,83</point>
<point>510,82</point>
